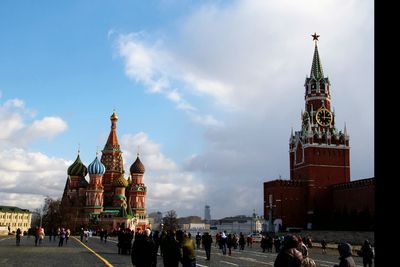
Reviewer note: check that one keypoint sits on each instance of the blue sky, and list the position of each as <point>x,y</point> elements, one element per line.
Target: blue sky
<point>208,90</point>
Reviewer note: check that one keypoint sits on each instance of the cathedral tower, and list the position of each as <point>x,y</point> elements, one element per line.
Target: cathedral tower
<point>112,160</point>
<point>75,184</point>
<point>137,193</point>
<point>94,192</point>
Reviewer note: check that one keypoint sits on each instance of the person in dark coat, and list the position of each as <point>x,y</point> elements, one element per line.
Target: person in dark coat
<point>156,239</point>
<point>207,241</point>
<point>346,259</point>
<point>323,246</point>
<point>263,243</point>
<point>171,250</point>
<point>144,250</point>
<point>229,244</point>
<point>367,254</point>
<point>277,244</point>
<point>242,241</point>
<point>289,256</point>
<point>18,236</point>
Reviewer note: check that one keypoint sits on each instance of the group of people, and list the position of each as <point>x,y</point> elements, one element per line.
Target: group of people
<point>175,247</point>
<point>294,253</point>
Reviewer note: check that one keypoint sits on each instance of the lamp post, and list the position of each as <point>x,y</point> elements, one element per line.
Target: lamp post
<point>270,206</point>
<point>41,215</point>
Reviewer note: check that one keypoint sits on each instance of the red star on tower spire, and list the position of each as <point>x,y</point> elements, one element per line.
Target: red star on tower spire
<point>315,37</point>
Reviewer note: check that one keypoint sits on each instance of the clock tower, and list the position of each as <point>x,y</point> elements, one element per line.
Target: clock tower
<point>319,191</point>
<point>319,152</point>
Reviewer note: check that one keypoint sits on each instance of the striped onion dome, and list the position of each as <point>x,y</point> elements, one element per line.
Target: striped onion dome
<point>137,166</point>
<point>96,167</point>
<point>77,168</point>
<point>120,181</point>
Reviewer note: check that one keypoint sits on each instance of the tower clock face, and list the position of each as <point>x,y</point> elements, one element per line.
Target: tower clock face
<point>324,117</point>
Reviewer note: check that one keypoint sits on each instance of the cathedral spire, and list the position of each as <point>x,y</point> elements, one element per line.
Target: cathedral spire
<point>316,67</point>
<point>112,141</point>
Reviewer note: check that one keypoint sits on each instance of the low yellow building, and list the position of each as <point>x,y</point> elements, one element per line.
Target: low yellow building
<point>12,218</point>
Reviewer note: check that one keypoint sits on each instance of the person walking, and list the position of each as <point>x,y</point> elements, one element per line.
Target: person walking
<point>346,259</point>
<point>67,234</point>
<point>307,261</point>
<point>323,246</point>
<point>105,235</point>
<point>39,235</point>
<point>223,242</point>
<point>277,244</point>
<point>18,236</point>
<point>242,242</point>
<point>207,241</point>
<point>198,240</point>
<point>82,232</point>
<point>187,251</point>
<point>263,243</point>
<point>249,241</point>
<point>170,250</point>
<point>86,235</point>
<point>62,237</point>
<point>367,254</point>
<point>143,252</point>
<point>289,256</point>
<point>229,243</point>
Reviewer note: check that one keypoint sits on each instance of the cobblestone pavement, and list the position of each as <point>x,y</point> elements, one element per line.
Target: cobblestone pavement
<point>96,253</point>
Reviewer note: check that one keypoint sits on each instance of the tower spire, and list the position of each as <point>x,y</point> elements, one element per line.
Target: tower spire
<point>316,67</point>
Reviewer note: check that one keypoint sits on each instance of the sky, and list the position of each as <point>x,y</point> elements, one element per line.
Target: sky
<point>206,91</point>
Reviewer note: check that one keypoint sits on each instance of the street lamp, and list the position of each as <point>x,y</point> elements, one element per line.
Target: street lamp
<point>41,215</point>
<point>270,206</point>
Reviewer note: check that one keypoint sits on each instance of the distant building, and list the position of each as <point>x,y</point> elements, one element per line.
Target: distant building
<point>319,190</point>
<point>207,214</point>
<point>12,218</point>
<point>108,200</point>
<point>240,223</point>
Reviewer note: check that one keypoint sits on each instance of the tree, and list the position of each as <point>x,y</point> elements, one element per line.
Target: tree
<point>52,217</point>
<point>170,221</point>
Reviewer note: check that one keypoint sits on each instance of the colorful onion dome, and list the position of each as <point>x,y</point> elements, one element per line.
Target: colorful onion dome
<point>96,167</point>
<point>77,168</point>
<point>137,166</point>
<point>120,181</point>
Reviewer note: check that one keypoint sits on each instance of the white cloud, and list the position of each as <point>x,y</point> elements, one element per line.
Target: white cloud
<point>27,177</point>
<point>153,66</point>
<point>46,127</point>
<point>17,126</point>
<point>23,172</point>
<point>150,152</point>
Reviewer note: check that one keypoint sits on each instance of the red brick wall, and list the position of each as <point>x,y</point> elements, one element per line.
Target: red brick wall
<point>292,205</point>
<point>357,195</point>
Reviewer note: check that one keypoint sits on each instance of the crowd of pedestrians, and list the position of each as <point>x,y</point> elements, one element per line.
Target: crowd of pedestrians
<point>178,247</point>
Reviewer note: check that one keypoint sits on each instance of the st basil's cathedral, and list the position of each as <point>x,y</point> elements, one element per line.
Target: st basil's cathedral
<point>108,200</point>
